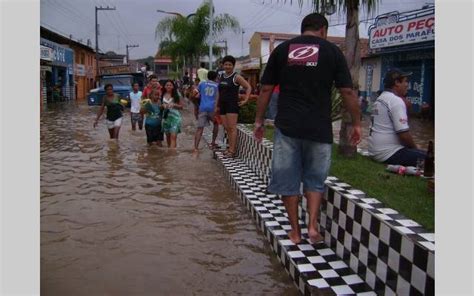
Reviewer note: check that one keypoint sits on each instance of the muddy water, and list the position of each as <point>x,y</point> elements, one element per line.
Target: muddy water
<point>120,218</point>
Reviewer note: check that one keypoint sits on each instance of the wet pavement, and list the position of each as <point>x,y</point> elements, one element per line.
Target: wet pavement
<point>422,131</point>
<point>122,218</point>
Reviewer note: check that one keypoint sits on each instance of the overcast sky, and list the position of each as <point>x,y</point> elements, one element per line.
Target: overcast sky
<point>134,21</point>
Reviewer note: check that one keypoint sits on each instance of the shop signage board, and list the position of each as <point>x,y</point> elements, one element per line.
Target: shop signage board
<point>80,70</point>
<point>46,53</point>
<point>390,31</point>
<point>112,70</point>
<point>61,56</point>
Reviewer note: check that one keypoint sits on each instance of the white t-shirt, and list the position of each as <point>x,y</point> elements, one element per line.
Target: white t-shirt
<point>135,101</point>
<point>389,118</point>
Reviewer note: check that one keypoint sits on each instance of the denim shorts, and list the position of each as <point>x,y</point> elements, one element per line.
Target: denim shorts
<point>272,107</point>
<point>297,161</point>
<point>136,117</point>
<point>204,118</point>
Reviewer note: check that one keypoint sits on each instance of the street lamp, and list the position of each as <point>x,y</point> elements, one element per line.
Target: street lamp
<point>211,20</point>
<point>175,13</point>
<point>179,15</point>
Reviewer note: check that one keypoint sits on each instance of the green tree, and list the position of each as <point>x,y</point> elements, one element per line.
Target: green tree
<point>352,51</point>
<point>185,38</point>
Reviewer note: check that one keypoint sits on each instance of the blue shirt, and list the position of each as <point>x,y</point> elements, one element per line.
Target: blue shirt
<point>208,91</point>
<point>153,115</point>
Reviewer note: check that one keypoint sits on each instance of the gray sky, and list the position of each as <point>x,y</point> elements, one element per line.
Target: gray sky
<point>134,21</point>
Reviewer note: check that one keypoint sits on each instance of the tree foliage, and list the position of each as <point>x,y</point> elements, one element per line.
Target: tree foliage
<point>187,37</point>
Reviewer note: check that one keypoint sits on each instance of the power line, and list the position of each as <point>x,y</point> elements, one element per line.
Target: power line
<point>66,14</point>
<point>63,4</point>
<point>118,17</point>
<point>251,18</point>
<point>257,16</point>
<point>115,26</point>
<point>262,17</point>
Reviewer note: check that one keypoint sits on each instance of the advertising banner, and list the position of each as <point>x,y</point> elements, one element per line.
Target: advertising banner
<point>61,56</point>
<point>419,29</point>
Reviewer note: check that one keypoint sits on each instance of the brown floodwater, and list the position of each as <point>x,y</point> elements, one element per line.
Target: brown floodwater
<point>122,218</point>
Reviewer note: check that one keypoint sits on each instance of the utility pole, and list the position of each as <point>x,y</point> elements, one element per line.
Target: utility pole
<point>97,34</point>
<point>211,21</point>
<point>225,42</point>
<point>130,46</point>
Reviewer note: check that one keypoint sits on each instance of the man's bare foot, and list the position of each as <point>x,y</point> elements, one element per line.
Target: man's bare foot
<point>294,237</point>
<point>314,236</point>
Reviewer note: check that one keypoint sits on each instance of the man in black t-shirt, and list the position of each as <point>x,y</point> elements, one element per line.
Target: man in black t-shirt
<point>306,68</point>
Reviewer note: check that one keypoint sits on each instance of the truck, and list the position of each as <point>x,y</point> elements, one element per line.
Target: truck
<point>122,80</point>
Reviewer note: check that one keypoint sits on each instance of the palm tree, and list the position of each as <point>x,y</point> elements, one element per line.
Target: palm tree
<point>352,52</point>
<point>186,37</point>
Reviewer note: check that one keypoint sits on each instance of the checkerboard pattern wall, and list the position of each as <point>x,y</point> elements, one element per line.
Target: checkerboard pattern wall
<point>393,254</point>
<point>258,157</point>
<point>388,252</point>
<point>315,269</point>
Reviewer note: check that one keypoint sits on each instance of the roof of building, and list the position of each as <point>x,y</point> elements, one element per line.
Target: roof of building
<point>61,39</point>
<point>111,55</point>
<point>162,58</point>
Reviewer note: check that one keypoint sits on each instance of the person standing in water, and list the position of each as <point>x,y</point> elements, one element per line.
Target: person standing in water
<point>171,116</point>
<point>228,101</point>
<point>115,108</point>
<point>208,94</point>
<point>135,115</point>
<point>152,108</point>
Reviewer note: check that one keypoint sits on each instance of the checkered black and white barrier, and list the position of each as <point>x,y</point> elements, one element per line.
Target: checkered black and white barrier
<point>368,249</point>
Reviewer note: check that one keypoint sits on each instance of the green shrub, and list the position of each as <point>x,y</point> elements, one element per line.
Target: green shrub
<point>247,112</point>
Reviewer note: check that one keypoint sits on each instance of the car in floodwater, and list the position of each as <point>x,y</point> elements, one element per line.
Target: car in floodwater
<point>122,84</point>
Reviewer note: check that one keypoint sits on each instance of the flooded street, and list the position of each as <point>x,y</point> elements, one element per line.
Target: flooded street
<point>127,219</point>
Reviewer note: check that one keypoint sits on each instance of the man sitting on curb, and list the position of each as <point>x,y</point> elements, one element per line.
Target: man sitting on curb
<point>390,140</point>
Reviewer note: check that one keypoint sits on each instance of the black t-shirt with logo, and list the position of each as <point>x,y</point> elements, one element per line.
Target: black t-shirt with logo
<point>306,67</point>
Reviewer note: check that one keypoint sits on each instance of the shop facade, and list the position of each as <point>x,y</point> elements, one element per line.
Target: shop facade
<point>405,41</point>
<point>57,71</point>
<point>46,59</point>
<point>84,70</point>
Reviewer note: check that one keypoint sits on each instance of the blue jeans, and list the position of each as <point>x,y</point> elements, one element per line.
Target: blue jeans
<point>272,107</point>
<point>298,160</point>
<point>406,157</point>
